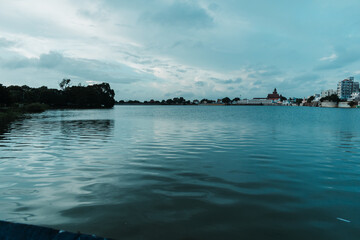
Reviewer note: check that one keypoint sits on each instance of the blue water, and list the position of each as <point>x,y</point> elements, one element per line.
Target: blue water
<point>186,172</point>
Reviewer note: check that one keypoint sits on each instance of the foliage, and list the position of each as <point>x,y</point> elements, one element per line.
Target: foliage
<point>226,100</point>
<point>65,83</point>
<point>282,98</point>
<point>35,107</point>
<point>298,101</point>
<point>4,96</point>
<point>8,116</point>
<point>174,101</point>
<point>352,103</point>
<point>310,99</point>
<point>331,98</point>
<point>93,96</point>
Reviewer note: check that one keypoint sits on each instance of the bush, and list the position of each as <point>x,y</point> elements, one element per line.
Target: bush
<point>35,107</point>
<point>332,98</point>
<point>6,117</point>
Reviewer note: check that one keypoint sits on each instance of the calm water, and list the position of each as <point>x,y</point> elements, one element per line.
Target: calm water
<point>186,172</point>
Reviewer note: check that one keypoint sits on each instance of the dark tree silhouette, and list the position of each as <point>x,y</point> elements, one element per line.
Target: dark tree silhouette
<point>331,98</point>
<point>282,98</point>
<point>65,83</point>
<point>4,96</point>
<point>94,96</point>
<point>226,100</point>
<point>310,99</point>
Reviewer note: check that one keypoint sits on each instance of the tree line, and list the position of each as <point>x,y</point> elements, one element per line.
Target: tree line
<point>92,96</point>
<point>176,101</point>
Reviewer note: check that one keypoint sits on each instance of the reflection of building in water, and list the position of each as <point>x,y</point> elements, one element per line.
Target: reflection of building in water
<point>99,129</point>
<point>347,140</point>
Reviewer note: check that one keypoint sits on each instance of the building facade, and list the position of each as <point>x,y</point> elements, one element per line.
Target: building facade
<point>347,87</point>
<point>328,92</point>
<point>273,96</point>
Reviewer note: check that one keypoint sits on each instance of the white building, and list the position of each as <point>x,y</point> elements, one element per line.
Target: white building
<point>328,92</point>
<point>347,87</point>
<point>255,101</point>
<point>316,97</point>
<point>355,96</point>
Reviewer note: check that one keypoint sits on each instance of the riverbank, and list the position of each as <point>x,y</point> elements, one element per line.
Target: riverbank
<point>9,114</point>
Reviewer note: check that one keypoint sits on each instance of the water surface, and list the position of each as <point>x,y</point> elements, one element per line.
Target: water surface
<point>186,172</point>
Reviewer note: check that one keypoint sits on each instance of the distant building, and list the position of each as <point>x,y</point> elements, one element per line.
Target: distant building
<point>286,102</point>
<point>327,93</point>
<point>255,101</point>
<point>347,87</point>
<point>273,96</point>
<point>316,97</point>
<point>355,96</point>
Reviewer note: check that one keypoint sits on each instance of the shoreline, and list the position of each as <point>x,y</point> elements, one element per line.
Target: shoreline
<point>331,105</point>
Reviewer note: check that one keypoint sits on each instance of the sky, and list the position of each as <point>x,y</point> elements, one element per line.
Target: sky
<point>162,49</point>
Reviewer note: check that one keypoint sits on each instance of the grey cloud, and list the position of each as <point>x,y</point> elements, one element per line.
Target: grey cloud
<point>6,43</point>
<point>213,6</point>
<point>98,14</point>
<point>20,62</point>
<point>180,94</point>
<point>180,14</point>
<point>78,68</point>
<point>257,83</point>
<point>200,83</point>
<point>228,81</point>
<point>50,60</point>
<point>231,81</point>
<point>310,81</point>
<point>265,71</point>
<point>270,73</point>
<point>307,77</point>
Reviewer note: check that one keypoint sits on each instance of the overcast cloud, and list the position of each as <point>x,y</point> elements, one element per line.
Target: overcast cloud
<point>162,48</point>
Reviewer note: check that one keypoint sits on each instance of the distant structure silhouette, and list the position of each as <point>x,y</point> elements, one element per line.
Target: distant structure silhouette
<point>273,96</point>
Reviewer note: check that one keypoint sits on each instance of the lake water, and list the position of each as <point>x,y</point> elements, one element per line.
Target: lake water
<point>186,172</point>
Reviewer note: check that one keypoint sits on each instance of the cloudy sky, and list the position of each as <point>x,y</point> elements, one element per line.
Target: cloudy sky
<point>194,49</point>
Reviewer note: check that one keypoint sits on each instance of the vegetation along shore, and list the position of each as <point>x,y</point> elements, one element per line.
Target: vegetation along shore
<point>15,101</point>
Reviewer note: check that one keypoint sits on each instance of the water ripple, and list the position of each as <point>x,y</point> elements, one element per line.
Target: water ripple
<point>185,172</point>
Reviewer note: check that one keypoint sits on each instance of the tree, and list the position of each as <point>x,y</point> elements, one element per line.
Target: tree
<point>226,100</point>
<point>310,99</point>
<point>352,103</point>
<point>331,98</point>
<point>4,96</point>
<point>94,96</point>
<point>65,83</point>
<point>282,98</point>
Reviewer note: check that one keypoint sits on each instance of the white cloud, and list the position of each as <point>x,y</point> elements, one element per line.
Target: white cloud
<point>332,57</point>
<point>139,43</point>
